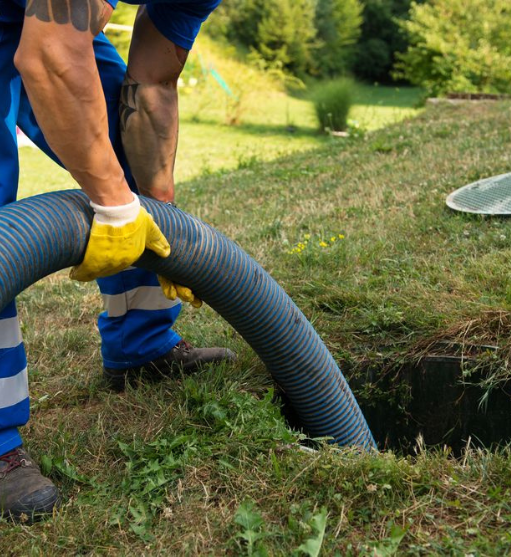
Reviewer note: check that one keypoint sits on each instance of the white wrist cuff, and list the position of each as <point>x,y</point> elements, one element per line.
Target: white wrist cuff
<point>118,215</point>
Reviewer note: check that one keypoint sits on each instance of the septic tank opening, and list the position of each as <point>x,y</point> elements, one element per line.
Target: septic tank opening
<point>435,399</point>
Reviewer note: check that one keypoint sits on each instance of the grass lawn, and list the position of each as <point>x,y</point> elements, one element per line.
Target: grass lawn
<point>205,465</point>
<point>273,125</point>
<point>269,122</point>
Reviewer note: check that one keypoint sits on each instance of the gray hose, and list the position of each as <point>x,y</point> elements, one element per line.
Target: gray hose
<point>49,232</point>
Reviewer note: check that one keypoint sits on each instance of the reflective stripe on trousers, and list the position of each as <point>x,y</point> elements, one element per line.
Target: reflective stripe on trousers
<point>14,402</point>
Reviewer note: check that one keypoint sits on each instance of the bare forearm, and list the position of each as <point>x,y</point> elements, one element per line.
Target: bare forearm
<point>148,108</point>
<point>149,131</point>
<point>61,78</point>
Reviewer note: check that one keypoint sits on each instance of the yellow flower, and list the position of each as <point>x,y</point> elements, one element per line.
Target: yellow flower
<point>333,239</point>
<point>307,236</point>
<point>341,236</point>
<point>323,244</point>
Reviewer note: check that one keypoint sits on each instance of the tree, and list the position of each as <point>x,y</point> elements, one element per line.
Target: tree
<point>302,36</point>
<point>458,46</point>
<point>381,37</point>
<point>338,25</point>
<point>285,33</point>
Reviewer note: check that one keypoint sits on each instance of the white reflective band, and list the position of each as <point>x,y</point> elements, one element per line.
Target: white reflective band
<point>145,297</point>
<point>13,389</point>
<point>10,333</point>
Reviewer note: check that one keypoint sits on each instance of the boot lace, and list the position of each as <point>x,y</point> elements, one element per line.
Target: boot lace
<point>184,345</point>
<point>13,459</point>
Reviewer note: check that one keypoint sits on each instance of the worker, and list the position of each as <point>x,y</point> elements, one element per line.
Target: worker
<point>115,130</point>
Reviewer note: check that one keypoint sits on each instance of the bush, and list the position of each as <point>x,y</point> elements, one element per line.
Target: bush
<point>217,83</point>
<point>332,102</point>
<point>458,46</point>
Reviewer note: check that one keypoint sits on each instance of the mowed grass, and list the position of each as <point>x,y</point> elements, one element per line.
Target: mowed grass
<point>269,122</point>
<point>275,125</point>
<point>205,465</point>
<point>218,88</point>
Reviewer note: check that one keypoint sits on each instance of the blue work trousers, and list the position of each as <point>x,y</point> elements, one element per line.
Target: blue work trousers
<point>136,325</point>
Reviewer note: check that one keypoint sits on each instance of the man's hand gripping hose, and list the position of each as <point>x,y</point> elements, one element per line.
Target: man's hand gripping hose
<point>119,235</point>
<point>173,291</point>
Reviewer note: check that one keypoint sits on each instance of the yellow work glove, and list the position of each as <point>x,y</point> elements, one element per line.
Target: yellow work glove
<point>118,237</point>
<point>173,291</point>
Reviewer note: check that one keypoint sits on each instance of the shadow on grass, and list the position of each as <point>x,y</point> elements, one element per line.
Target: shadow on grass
<point>375,95</point>
<point>258,129</point>
<point>395,97</point>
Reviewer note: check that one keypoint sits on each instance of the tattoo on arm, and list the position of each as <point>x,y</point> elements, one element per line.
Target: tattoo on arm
<point>127,102</point>
<point>84,15</point>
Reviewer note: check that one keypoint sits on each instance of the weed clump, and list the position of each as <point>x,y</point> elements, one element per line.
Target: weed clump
<point>332,102</point>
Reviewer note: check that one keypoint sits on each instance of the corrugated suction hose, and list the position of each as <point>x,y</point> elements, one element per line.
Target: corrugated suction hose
<point>49,232</point>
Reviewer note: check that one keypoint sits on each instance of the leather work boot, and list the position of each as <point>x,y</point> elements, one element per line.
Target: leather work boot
<point>25,494</point>
<point>183,357</point>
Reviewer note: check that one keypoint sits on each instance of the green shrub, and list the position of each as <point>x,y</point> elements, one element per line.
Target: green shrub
<point>458,46</point>
<point>332,102</point>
